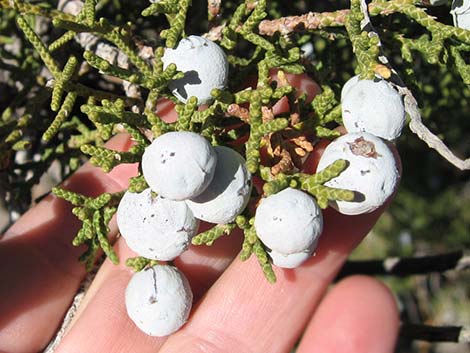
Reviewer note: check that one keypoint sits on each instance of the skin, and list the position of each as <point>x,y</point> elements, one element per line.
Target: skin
<point>40,276</point>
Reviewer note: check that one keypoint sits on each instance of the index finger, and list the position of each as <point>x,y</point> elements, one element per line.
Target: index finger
<point>265,317</point>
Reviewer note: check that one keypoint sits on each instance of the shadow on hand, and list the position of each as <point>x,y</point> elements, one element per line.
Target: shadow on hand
<point>204,264</point>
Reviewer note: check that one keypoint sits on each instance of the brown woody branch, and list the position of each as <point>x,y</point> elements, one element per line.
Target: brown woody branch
<point>407,266</point>
<point>315,20</point>
<point>309,21</point>
<point>457,334</point>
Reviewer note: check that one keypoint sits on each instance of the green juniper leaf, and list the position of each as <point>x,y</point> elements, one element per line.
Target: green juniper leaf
<point>257,43</point>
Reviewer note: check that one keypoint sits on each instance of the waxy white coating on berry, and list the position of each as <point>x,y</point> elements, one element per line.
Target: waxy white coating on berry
<point>228,193</point>
<point>460,12</point>
<point>372,106</point>
<point>289,222</point>
<point>179,165</point>
<point>290,261</point>
<point>372,172</point>
<point>158,300</point>
<point>155,227</point>
<point>205,67</point>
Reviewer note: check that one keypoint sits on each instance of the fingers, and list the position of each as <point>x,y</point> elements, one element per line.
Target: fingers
<point>270,318</point>
<point>38,264</point>
<point>103,312</point>
<point>243,310</point>
<point>103,309</point>
<point>359,315</point>
<point>201,265</point>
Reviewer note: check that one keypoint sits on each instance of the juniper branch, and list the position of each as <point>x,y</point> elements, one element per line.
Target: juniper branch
<point>139,263</point>
<point>209,236</point>
<point>59,119</point>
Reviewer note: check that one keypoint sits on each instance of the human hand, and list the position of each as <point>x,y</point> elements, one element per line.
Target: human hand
<point>236,309</point>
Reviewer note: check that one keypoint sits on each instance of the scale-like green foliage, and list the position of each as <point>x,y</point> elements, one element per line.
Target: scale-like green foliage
<point>78,107</point>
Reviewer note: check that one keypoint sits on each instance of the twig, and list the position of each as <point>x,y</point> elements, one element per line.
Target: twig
<point>456,334</point>
<point>406,266</point>
<point>313,20</point>
<point>416,125</point>
<point>411,106</point>
<point>309,21</point>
